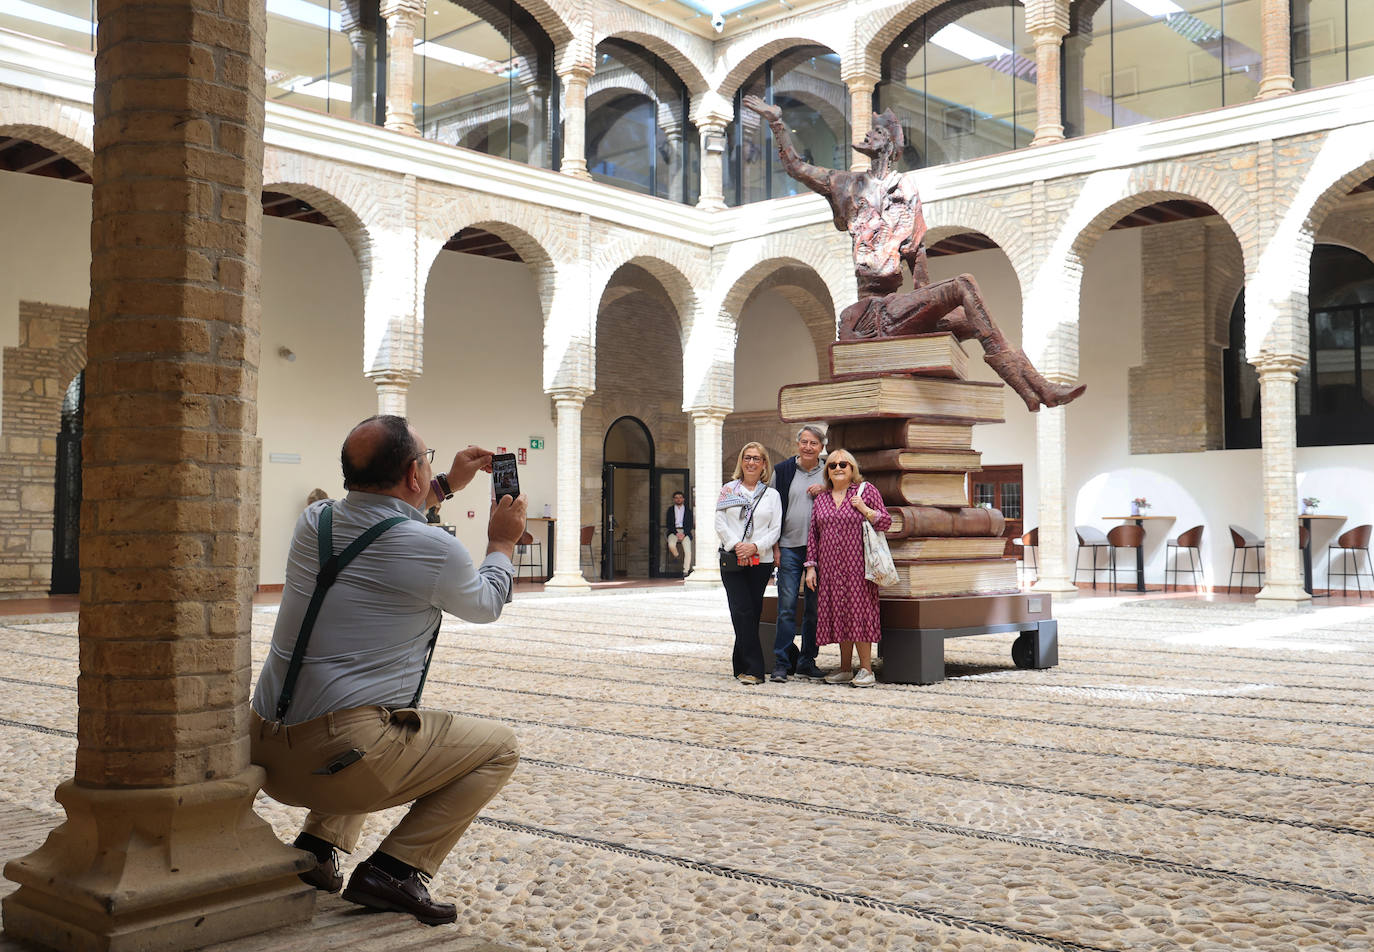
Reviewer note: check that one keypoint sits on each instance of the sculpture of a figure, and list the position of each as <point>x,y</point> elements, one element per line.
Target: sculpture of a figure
<point>881,211</point>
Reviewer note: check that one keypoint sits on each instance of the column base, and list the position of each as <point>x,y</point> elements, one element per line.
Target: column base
<point>1272,86</point>
<point>1048,136</point>
<point>567,582</point>
<point>712,204</point>
<point>703,577</point>
<point>577,168</point>
<point>1060,588</point>
<point>1284,596</point>
<point>161,869</point>
<point>405,128</point>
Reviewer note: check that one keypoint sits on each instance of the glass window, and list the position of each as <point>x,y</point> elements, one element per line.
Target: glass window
<point>805,83</point>
<point>484,80</point>
<point>1333,40</point>
<point>638,134</point>
<point>324,55</point>
<point>963,83</point>
<point>68,22</point>
<point>1132,61</point>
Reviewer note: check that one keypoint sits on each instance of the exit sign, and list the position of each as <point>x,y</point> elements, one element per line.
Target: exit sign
<point>536,443</point>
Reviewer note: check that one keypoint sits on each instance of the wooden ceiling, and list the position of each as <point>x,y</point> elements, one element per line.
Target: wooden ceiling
<point>21,155</point>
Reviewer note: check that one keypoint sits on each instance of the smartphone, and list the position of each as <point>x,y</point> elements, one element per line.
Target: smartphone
<point>504,479</point>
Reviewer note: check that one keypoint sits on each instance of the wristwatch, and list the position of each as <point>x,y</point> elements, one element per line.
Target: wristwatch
<point>445,490</point>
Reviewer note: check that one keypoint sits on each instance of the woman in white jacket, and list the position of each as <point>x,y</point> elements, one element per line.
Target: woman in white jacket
<point>748,523</point>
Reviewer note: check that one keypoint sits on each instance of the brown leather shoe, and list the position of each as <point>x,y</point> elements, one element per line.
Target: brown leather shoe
<point>371,887</point>
<point>326,875</point>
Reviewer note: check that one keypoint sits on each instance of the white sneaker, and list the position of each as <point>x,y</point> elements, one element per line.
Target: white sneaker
<point>864,679</point>
<point>840,677</point>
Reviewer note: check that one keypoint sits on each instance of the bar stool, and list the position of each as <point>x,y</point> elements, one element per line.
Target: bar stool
<point>1029,543</point>
<point>1351,544</point>
<point>1129,536</point>
<point>586,542</point>
<point>1243,540</point>
<point>529,554</point>
<point>1190,540</point>
<point>1088,538</point>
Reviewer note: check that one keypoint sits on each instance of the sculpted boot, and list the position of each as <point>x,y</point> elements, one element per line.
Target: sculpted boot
<point>1011,366</point>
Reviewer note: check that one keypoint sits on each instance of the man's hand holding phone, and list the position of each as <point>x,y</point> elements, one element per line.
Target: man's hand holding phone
<point>506,525</point>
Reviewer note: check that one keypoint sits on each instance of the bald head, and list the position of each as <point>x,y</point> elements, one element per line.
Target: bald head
<point>377,453</point>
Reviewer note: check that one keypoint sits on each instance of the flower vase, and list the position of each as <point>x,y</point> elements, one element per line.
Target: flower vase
<point>1135,509</point>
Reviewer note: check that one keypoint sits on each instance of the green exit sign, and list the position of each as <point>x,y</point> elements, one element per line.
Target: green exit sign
<point>536,443</point>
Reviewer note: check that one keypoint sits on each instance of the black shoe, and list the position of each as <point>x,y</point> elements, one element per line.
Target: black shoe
<point>779,673</point>
<point>371,887</point>
<point>326,875</point>
<point>811,673</point>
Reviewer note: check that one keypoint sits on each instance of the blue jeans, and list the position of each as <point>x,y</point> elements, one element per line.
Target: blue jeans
<point>791,567</point>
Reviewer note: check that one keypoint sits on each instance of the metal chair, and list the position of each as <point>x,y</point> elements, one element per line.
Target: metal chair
<point>1088,538</point>
<point>1129,536</point>
<point>1243,541</point>
<point>1190,540</point>
<point>529,554</point>
<point>1350,544</point>
<point>587,558</point>
<point>1029,543</point>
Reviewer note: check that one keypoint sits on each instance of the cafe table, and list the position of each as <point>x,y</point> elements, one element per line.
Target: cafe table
<point>1306,519</point>
<point>1140,549</point>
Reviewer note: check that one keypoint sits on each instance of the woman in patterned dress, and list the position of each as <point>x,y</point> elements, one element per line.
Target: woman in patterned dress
<point>847,603</point>
<point>748,523</point>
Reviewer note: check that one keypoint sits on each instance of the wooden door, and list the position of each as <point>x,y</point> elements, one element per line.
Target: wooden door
<point>1002,488</point>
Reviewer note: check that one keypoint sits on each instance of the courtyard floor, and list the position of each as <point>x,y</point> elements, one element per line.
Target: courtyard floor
<point>1193,775</point>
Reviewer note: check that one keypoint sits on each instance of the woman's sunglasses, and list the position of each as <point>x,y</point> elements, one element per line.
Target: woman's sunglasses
<point>840,465</point>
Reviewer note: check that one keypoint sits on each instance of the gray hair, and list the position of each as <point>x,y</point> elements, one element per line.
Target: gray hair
<point>815,430</point>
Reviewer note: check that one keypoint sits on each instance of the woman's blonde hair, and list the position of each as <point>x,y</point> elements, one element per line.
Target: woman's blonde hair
<point>767,463</point>
<point>855,478</point>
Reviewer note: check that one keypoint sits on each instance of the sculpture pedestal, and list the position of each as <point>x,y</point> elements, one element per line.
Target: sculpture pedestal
<point>915,629</point>
<point>157,869</point>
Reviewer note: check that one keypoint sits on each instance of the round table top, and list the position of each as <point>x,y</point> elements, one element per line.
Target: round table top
<point>1141,516</point>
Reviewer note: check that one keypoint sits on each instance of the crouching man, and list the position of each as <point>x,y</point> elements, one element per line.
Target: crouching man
<point>336,719</point>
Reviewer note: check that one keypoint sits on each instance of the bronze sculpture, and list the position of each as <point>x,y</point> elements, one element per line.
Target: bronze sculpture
<point>881,211</point>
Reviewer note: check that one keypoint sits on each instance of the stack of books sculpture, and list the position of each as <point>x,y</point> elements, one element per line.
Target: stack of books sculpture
<point>904,408</point>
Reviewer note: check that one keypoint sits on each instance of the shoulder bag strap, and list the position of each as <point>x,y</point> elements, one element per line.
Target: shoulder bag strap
<point>330,566</point>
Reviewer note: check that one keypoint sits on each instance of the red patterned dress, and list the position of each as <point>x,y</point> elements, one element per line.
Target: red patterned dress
<point>847,603</point>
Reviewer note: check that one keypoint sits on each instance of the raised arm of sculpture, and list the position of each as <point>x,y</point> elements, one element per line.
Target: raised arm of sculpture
<point>817,179</point>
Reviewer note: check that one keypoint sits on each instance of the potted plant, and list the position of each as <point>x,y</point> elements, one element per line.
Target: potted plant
<point>1139,505</point>
<point>1309,504</point>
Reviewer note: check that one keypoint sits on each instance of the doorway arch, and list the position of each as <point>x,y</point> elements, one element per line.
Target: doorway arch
<point>66,532</point>
<point>627,506</point>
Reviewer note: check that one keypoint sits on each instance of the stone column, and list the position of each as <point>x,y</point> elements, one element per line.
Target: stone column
<point>1057,539</point>
<point>1049,124</point>
<point>713,156</point>
<point>392,388</point>
<point>575,122</point>
<point>161,848</point>
<point>1279,460</point>
<point>860,115</point>
<point>401,17</point>
<point>567,553</point>
<point>708,432</point>
<point>1276,51</point>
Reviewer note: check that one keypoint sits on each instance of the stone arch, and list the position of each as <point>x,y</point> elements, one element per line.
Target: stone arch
<point>882,27</point>
<point>688,55</point>
<point>748,263</point>
<point>555,17</point>
<point>69,149</point>
<point>952,216</point>
<point>740,60</point>
<point>803,288</point>
<point>348,200</point>
<point>65,128</point>
<point>675,268</point>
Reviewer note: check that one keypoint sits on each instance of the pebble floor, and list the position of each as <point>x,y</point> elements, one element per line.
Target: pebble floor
<point>1191,776</point>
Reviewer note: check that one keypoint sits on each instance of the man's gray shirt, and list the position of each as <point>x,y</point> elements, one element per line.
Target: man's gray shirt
<point>798,519</point>
<point>374,627</point>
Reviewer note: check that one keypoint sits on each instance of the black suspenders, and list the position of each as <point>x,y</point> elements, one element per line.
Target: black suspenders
<point>330,566</point>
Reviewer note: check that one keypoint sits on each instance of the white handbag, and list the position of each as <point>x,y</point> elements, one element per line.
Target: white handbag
<point>878,565</point>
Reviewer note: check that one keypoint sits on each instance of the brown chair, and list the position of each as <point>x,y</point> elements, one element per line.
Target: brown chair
<point>529,554</point>
<point>1244,541</point>
<point>1350,544</point>
<point>1190,540</point>
<point>1129,536</point>
<point>586,555</point>
<point>1029,543</point>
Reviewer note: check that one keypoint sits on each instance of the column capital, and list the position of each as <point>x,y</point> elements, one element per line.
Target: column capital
<point>703,414</point>
<point>1046,33</point>
<point>411,9</point>
<point>860,80</point>
<point>569,396</point>
<point>1047,15</point>
<point>1278,365</point>
<point>578,74</point>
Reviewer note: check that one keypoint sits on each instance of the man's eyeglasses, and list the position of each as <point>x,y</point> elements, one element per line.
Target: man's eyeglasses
<point>426,455</point>
<point>842,464</point>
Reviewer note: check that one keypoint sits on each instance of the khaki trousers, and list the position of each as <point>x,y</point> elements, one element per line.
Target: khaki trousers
<point>449,766</point>
<point>686,543</point>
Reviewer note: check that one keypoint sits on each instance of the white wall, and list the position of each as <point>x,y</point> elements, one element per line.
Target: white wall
<point>774,349</point>
<point>45,244</point>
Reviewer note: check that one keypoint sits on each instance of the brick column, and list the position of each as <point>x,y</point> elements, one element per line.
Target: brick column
<point>861,88</point>
<point>1275,50</point>
<point>401,17</point>
<point>567,553</point>
<point>392,389</point>
<point>1278,377</point>
<point>713,155</point>
<point>1057,539</point>
<point>161,848</point>
<point>708,430</point>
<point>1049,125</point>
<point>575,121</point>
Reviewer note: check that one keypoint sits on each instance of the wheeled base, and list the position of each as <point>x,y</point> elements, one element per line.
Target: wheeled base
<point>914,632</point>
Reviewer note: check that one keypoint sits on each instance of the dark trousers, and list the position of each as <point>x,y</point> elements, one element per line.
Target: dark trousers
<point>744,592</point>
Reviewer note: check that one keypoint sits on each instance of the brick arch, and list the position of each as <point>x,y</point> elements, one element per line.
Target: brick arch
<point>352,202</point>
<point>749,263</point>
<point>688,55</point>
<point>74,151</point>
<point>804,290</point>
<point>952,216</point>
<point>882,27</point>
<point>678,273</point>
<point>741,60</point>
